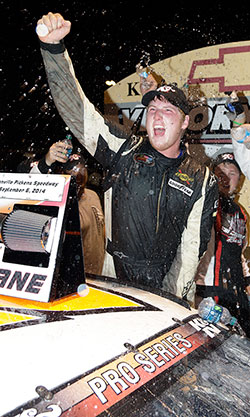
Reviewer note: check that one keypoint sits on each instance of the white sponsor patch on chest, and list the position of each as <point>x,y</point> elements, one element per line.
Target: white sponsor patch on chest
<point>183,188</point>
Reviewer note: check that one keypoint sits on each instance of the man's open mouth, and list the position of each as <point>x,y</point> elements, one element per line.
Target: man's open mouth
<point>159,130</point>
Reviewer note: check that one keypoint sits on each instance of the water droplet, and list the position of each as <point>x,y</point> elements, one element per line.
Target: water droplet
<point>82,290</point>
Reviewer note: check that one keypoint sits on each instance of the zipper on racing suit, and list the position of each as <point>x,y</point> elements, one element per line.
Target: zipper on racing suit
<point>159,203</point>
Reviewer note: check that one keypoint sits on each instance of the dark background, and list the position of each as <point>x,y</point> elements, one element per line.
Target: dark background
<point>106,42</point>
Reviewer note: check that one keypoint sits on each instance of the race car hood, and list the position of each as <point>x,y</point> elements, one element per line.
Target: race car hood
<point>82,354</point>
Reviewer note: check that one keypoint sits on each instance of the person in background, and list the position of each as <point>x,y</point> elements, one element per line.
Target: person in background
<point>91,216</point>
<point>240,132</point>
<point>58,153</point>
<point>223,272</point>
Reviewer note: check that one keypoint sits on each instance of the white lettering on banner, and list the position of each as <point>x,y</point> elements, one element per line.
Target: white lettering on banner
<point>143,360</point>
<point>149,360</point>
<point>128,372</point>
<point>98,386</point>
<point>220,121</point>
<point>113,378</point>
<point>208,328</point>
<point>132,114</point>
<point>115,381</point>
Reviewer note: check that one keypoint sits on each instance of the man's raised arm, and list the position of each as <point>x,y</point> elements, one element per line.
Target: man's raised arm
<point>79,114</point>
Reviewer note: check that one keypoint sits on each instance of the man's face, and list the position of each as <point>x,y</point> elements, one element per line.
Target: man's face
<point>228,177</point>
<point>165,125</point>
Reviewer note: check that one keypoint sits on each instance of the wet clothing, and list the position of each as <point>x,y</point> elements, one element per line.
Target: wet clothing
<point>157,203</point>
<point>154,206</point>
<point>222,269</point>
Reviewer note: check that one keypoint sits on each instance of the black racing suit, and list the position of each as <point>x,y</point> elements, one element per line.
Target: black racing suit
<point>153,197</point>
<point>162,209</point>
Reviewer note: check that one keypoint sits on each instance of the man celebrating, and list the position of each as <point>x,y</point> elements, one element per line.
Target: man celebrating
<point>162,200</point>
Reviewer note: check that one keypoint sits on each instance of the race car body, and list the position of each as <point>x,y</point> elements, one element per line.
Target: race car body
<point>116,350</point>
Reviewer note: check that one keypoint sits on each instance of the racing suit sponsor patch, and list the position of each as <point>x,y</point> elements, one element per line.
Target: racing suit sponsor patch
<point>144,159</point>
<point>184,177</point>
<point>178,186</point>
